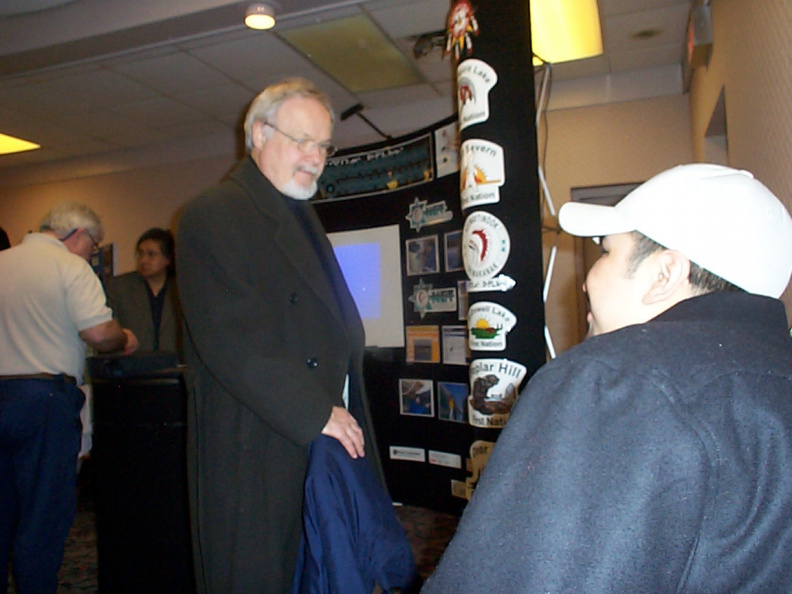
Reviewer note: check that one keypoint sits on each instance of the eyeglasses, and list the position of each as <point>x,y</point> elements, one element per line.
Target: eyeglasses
<point>93,241</point>
<point>306,145</point>
<point>147,253</point>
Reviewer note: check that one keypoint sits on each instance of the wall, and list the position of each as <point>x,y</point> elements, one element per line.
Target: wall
<point>752,64</point>
<point>602,145</point>
<point>128,201</point>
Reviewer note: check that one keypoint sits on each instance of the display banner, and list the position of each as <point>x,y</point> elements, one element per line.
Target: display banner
<point>499,187</point>
<point>378,171</point>
<point>465,196</point>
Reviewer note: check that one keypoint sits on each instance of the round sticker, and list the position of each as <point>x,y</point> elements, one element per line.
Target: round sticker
<point>486,245</point>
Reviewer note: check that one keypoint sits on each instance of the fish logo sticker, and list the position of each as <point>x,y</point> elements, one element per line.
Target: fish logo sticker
<point>475,79</point>
<point>423,214</point>
<point>482,173</point>
<point>486,246</point>
<point>426,299</point>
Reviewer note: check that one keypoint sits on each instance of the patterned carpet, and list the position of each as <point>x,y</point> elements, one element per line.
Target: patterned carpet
<point>428,531</point>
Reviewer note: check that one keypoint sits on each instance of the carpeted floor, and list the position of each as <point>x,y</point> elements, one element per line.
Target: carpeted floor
<point>428,531</point>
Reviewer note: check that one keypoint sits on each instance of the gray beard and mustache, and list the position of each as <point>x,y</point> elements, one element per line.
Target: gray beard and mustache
<point>294,190</point>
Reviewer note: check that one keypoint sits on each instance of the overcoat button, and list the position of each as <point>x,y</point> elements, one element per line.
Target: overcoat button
<point>312,362</point>
<point>293,298</point>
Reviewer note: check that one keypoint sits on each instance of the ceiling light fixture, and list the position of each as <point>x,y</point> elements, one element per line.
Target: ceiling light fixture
<point>355,52</point>
<point>10,144</point>
<point>564,30</point>
<point>260,15</point>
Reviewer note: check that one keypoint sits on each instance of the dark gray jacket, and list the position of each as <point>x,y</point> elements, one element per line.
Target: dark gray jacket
<point>128,297</point>
<point>657,458</point>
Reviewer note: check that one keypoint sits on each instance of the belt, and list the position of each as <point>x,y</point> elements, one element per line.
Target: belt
<point>40,376</point>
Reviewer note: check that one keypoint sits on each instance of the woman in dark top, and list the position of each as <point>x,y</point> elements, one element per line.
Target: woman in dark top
<point>146,300</point>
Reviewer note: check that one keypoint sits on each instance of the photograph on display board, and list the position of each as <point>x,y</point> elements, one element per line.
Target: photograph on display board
<point>452,402</point>
<point>416,397</point>
<point>423,344</point>
<point>453,251</point>
<point>422,256</point>
<point>462,300</point>
<point>455,345</point>
<point>447,151</point>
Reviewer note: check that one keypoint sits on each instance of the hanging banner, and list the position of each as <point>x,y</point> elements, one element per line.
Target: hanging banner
<point>378,171</point>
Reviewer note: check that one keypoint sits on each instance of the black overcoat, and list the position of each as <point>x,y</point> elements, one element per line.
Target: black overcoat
<point>271,338</point>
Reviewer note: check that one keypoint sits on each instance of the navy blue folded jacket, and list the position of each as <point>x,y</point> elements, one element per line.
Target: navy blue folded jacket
<point>353,538</point>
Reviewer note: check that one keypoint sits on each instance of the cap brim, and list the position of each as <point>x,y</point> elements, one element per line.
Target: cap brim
<point>592,220</point>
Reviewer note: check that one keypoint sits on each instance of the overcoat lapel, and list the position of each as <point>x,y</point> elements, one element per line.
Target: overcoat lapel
<point>291,240</point>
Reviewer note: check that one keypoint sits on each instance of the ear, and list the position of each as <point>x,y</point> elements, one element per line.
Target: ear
<point>258,135</point>
<point>672,274</point>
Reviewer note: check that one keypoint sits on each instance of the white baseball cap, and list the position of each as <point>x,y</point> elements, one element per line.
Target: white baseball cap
<point>720,218</point>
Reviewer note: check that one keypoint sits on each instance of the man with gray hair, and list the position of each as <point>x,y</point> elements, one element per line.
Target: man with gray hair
<point>51,304</point>
<point>655,456</point>
<point>275,347</point>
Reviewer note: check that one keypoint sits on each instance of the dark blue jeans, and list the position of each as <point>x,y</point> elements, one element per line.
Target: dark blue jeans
<point>40,433</point>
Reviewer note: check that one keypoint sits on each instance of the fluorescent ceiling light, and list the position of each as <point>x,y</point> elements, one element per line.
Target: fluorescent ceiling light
<point>9,144</point>
<point>355,52</point>
<point>564,30</point>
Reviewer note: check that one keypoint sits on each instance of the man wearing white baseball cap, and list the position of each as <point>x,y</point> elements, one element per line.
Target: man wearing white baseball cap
<point>657,455</point>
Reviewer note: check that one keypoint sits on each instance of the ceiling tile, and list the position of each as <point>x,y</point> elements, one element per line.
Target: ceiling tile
<point>669,22</point>
<point>613,7</point>
<point>85,148</point>
<point>97,124</point>
<point>250,58</point>
<point>226,103</point>
<point>161,113</point>
<point>103,88</point>
<point>398,96</point>
<point>46,100</point>
<point>639,59</point>
<point>400,118</point>
<point>581,68</point>
<point>137,136</point>
<point>199,128</point>
<point>410,18</point>
<point>174,71</point>
<point>354,51</point>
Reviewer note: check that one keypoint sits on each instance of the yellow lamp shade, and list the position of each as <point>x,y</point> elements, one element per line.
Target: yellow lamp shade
<point>564,30</point>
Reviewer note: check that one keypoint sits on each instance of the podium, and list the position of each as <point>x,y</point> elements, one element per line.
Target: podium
<point>140,475</point>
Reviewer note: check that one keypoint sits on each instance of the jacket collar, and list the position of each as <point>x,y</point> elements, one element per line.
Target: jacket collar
<point>729,308</point>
